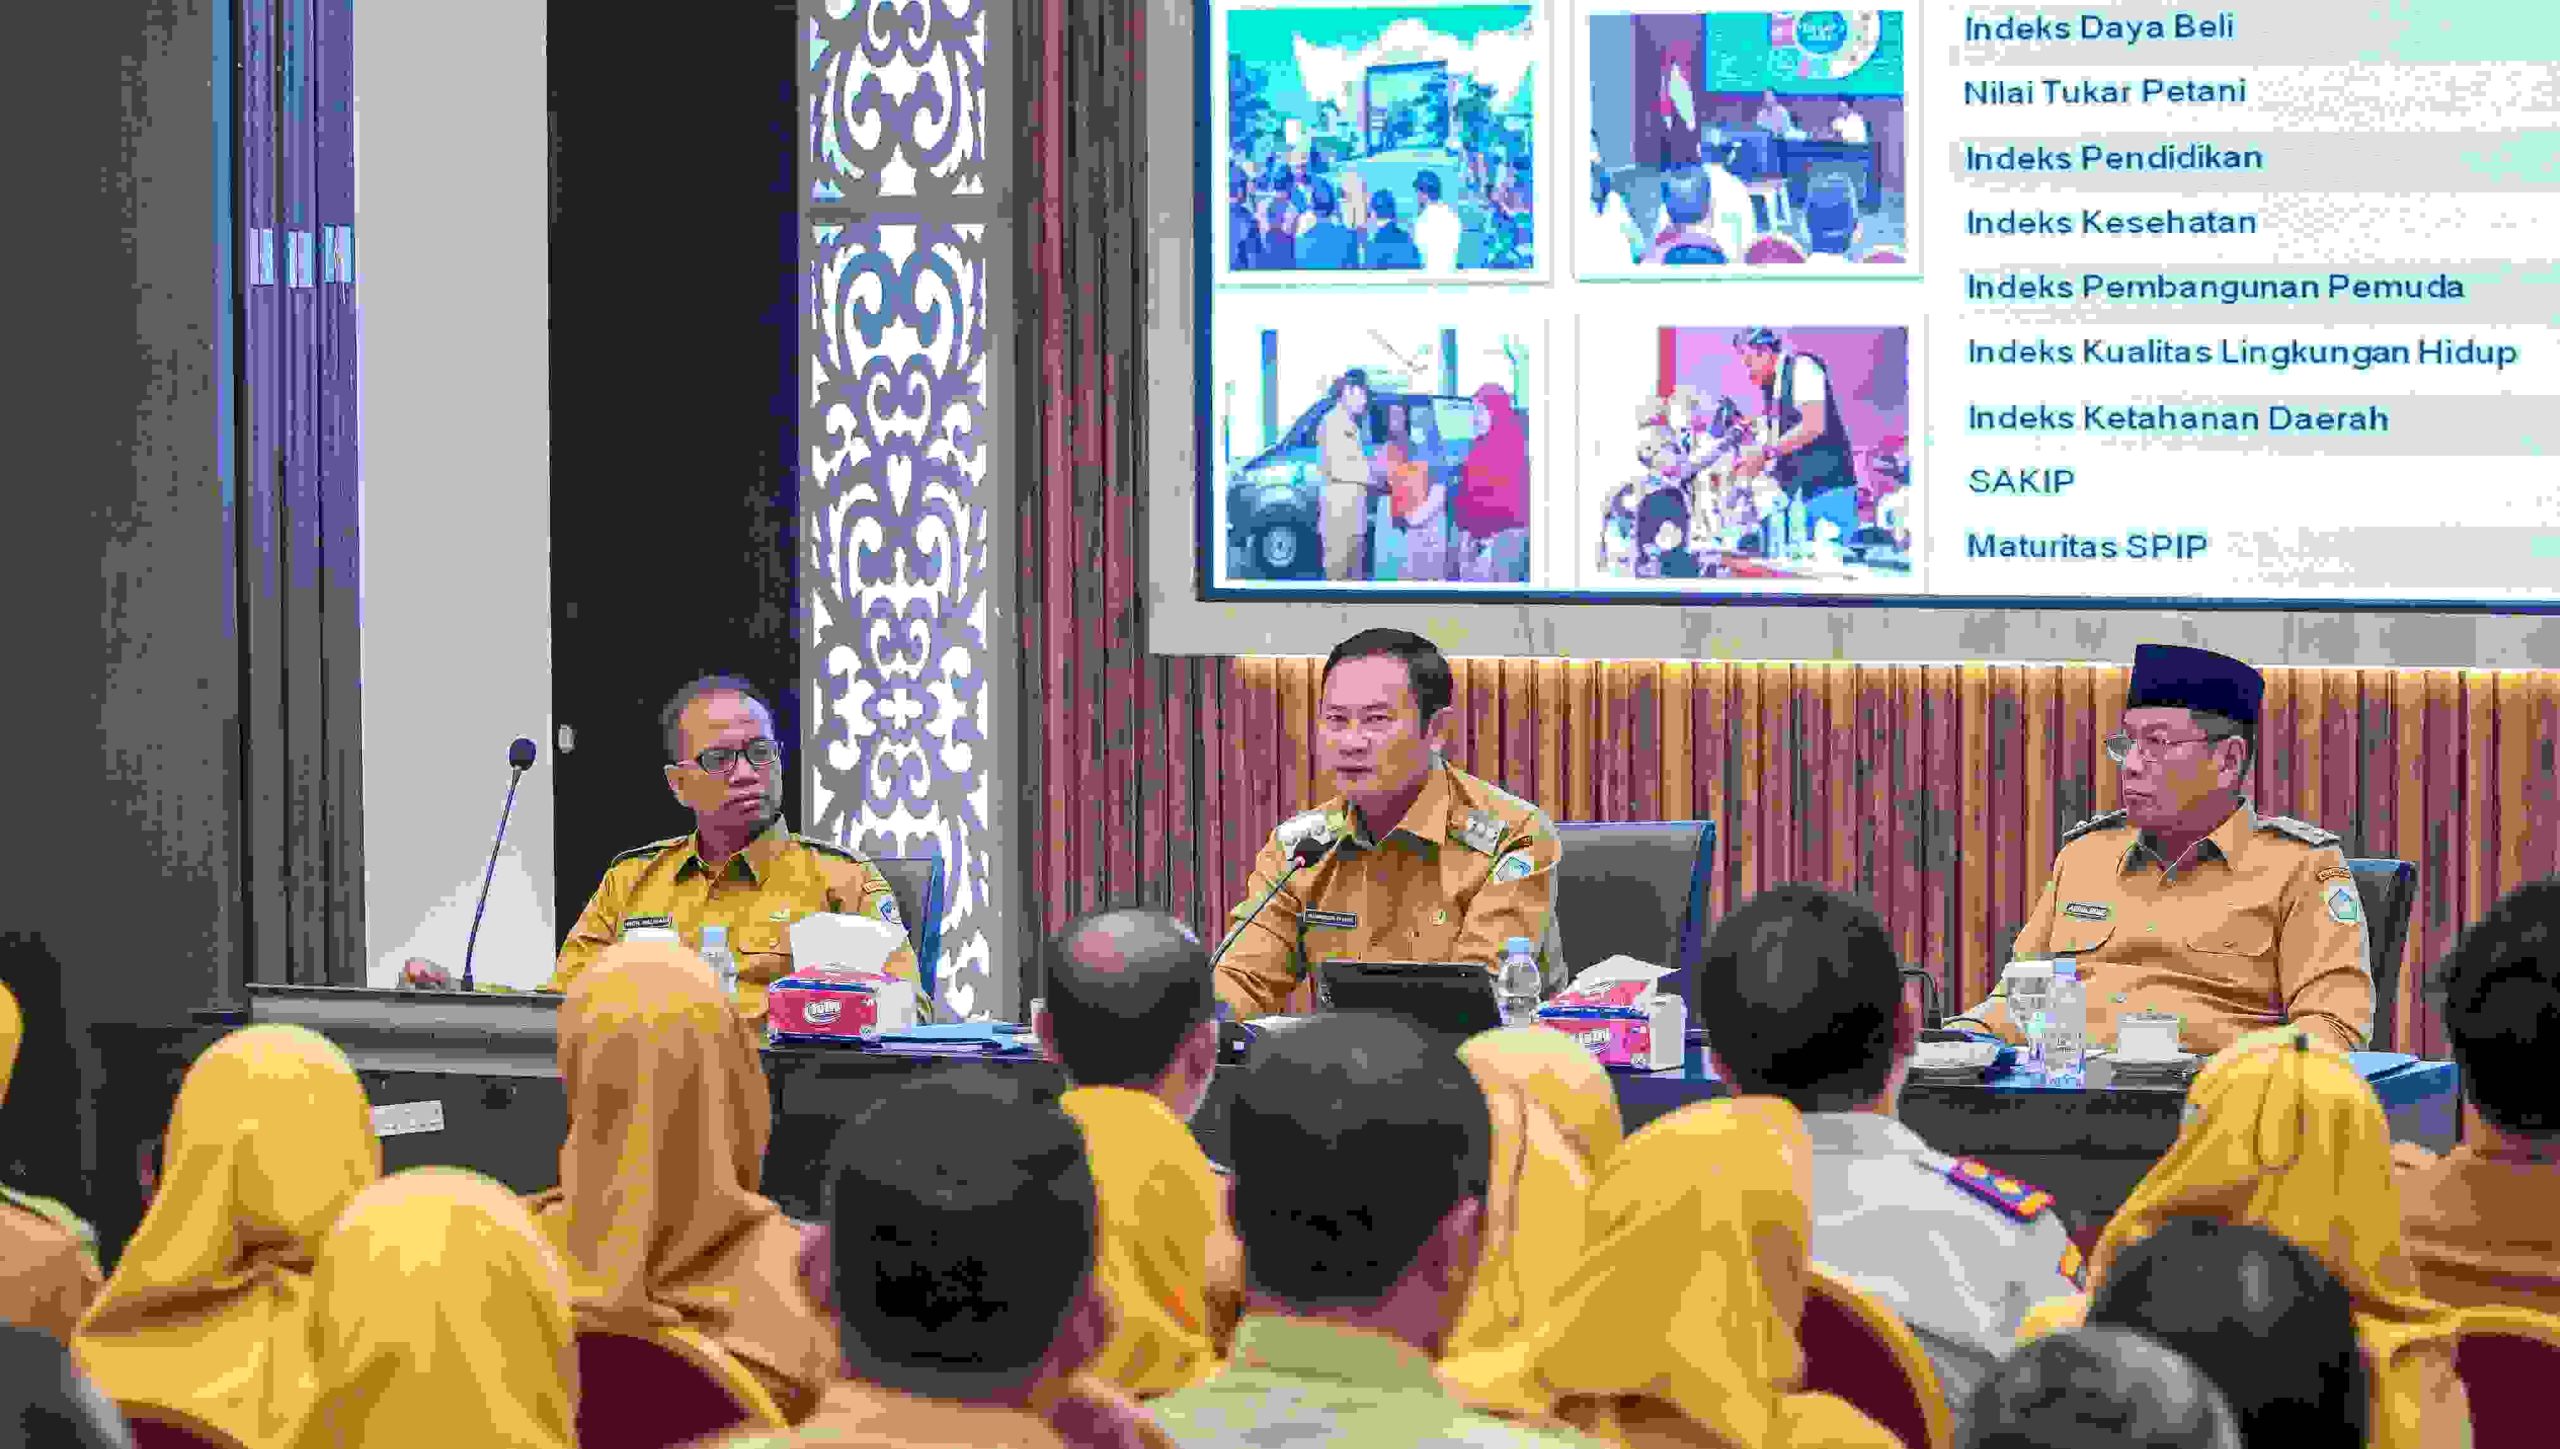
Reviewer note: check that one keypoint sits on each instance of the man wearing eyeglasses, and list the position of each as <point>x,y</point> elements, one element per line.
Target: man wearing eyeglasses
<point>2188,901</point>
<point>742,867</point>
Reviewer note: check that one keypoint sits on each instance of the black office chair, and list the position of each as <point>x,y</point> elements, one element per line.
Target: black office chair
<point>2387,890</point>
<point>916,881</point>
<point>1635,888</point>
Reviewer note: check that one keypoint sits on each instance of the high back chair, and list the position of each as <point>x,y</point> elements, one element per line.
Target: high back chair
<point>1859,1350</point>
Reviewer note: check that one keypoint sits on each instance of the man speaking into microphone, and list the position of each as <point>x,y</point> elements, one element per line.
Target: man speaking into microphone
<point>1412,858</point>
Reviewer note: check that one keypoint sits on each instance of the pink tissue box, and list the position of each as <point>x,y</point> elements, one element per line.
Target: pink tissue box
<point>1648,1038</point>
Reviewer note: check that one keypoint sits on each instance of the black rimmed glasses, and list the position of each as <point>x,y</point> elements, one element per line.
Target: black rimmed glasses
<point>760,753</point>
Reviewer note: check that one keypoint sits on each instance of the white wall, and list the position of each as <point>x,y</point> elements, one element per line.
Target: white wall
<point>453,280</point>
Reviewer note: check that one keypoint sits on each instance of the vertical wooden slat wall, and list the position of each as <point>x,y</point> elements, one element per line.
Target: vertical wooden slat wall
<point>1935,791</point>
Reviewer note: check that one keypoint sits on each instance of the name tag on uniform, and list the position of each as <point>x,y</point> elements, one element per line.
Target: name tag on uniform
<point>1331,920</point>
<point>2086,910</point>
<point>646,923</point>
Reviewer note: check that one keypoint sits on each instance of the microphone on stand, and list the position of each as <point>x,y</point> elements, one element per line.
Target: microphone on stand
<point>1312,846</point>
<point>520,759</point>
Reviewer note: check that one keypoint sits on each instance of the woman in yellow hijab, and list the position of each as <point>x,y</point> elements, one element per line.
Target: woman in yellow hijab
<point>657,1218</point>
<point>48,1256</point>
<point>1678,1326</point>
<point>207,1311</point>
<point>1555,1126</point>
<point>439,1320</point>
<point>2282,1134</point>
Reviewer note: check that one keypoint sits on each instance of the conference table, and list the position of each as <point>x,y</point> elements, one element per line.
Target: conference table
<point>472,1081</point>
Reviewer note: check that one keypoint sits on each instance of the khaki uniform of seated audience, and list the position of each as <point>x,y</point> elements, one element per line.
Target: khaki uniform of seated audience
<point>1807,1003</point>
<point>1678,1327</point>
<point>440,1319</point>
<point>657,1218</point>
<point>2264,1319</point>
<point>209,1309</point>
<point>2100,1386</point>
<point>2187,901</point>
<point>1555,1126</point>
<point>1361,1153</point>
<point>960,1262</point>
<point>2484,1219</point>
<point>742,868</point>
<point>1127,1013</point>
<point>2281,1133</point>
<point>1423,862</point>
<point>48,1257</point>
<point>48,1400</point>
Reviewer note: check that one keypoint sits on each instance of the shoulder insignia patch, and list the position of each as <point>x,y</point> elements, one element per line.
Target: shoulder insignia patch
<point>889,910</point>
<point>643,852</point>
<point>2008,1194</point>
<point>829,847</point>
<point>2302,830</point>
<point>2091,825</point>
<point>1482,833</point>
<point>2343,906</point>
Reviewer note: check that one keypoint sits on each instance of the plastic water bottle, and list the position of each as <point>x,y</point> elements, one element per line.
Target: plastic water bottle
<point>715,950</point>
<point>2066,1036</point>
<point>1519,982</point>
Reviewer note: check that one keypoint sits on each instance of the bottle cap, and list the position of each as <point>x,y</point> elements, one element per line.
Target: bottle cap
<point>715,936</point>
<point>2065,969</point>
<point>1519,943</point>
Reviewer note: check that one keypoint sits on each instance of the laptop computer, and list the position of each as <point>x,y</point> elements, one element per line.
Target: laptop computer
<point>1452,997</point>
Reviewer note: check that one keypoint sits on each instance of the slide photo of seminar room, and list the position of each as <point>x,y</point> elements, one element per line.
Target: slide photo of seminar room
<point>1373,454</point>
<point>1743,138</point>
<point>1381,139</point>
<point>1679,492</point>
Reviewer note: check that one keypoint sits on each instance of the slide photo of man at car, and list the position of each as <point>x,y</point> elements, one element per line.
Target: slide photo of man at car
<point>1411,465</point>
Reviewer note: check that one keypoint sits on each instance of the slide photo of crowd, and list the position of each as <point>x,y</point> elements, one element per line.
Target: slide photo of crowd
<point>1360,453</point>
<point>1381,139</point>
<point>1744,138</point>
<point>1760,454</point>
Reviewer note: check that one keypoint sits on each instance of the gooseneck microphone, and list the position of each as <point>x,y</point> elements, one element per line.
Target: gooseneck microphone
<point>519,759</point>
<point>1311,847</point>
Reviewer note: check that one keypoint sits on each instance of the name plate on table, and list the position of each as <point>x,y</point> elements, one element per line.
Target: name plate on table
<point>2147,1036</point>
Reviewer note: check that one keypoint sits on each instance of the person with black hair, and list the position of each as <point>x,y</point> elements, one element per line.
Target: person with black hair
<point>1324,243</point>
<point>46,1402</point>
<point>2262,1316</point>
<point>1420,861</point>
<point>1688,236</point>
<point>1127,1012</point>
<point>1803,999</point>
<point>2484,1220</point>
<point>2189,902</point>
<point>2099,1388</point>
<point>1390,247</point>
<point>959,1264</point>
<point>1437,231</point>
<point>742,867</point>
<point>1361,1148</point>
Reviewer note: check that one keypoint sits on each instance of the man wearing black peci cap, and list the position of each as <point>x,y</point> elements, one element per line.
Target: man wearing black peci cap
<point>2189,902</point>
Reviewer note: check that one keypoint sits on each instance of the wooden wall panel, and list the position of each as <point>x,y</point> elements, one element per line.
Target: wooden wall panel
<point>1936,792</point>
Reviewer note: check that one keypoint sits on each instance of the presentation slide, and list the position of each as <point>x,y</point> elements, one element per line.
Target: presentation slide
<point>2113,305</point>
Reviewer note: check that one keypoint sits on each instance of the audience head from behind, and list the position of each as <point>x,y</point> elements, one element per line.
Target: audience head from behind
<point>2264,1319</point>
<point>1360,1148</point>
<point>2500,991</point>
<point>1382,208</point>
<point>1129,1002</point>
<point>1803,999</point>
<point>2099,1388</point>
<point>1322,201</point>
<point>962,1223</point>
<point>1684,196</point>
<point>46,1402</point>
<point>1426,184</point>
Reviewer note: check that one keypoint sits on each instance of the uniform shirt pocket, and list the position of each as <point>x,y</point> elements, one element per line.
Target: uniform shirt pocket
<point>764,952</point>
<point>2075,937</point>
<point>2241,935</point>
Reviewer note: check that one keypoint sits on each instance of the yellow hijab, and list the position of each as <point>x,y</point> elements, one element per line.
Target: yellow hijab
<point>1555,1125</point>
<point>657,1218</point>
<point>270,1139</point>
<point>440,1320</point>
<point>1161,1211</point>
<point>2281,1133</point>
<point>1678,1325</point>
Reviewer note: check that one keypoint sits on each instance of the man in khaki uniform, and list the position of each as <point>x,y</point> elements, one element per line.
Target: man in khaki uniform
<point>2186,901</point>
<point>2484,1219</point>
<point>1423,861</point>
<point>1346,475</point>
<point>741,868</point>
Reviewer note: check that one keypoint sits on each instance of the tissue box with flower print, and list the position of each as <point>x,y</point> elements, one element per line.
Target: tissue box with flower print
<point>833,1006</point>
<point>1615,1010</point>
